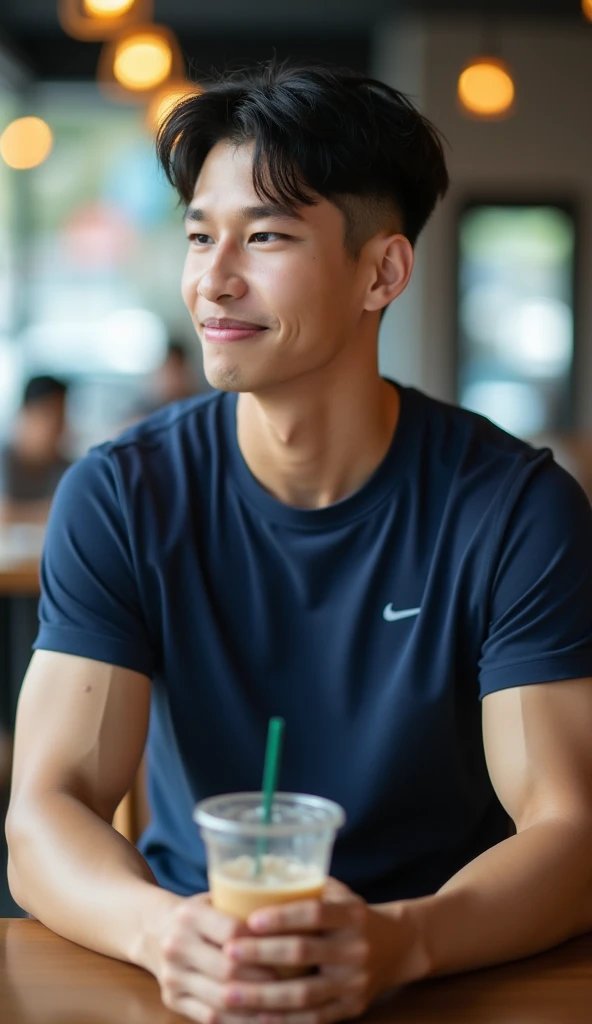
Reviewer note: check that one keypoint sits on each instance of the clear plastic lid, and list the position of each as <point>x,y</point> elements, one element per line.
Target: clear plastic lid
<point>292,814</point>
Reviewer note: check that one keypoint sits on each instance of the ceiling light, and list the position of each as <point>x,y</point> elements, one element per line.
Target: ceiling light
<point>138,61</point>
<point>587,9</point>
<point>101,19</point>
<point>26,143</point>
<point>485,89</point>
<point>107,8</point>
<point>143,61</point>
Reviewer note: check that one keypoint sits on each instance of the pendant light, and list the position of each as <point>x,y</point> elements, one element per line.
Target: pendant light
<point>101,19</point>
<point>485,88</point>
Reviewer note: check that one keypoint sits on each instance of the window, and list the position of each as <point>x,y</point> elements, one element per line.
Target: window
<point>103,248</point>
<point>515,324</point>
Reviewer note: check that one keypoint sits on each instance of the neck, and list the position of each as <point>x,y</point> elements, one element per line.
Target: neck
<point>313,443</point>
<point>32,447</point>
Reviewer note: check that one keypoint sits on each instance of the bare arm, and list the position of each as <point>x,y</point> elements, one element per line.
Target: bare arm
<point>80,732</point>
<point>533,890</point>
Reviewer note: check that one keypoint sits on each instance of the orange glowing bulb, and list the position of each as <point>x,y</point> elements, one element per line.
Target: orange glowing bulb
<point>485,88</point>
<point>142,61</point>
<point>107,8</point>
<point>26,143</point>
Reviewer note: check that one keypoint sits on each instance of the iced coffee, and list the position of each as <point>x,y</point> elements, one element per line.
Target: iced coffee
<point>252,863</point>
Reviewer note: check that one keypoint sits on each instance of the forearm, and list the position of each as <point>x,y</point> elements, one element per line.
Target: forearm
<point>81,878</point>
<point>522,896</point>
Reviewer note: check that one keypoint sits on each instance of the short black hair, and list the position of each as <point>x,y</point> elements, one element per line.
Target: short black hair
<point>38,388</point>
<point>317,131</point>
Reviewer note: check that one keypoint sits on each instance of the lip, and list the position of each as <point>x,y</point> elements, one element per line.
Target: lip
<point>221,323</point>
<point>226,334</point>
<point>224,330</point>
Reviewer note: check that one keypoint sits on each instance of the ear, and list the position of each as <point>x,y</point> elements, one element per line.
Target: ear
<point>392,264</point>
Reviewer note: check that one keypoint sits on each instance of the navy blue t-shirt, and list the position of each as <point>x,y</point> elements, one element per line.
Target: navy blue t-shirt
<point>373,626</point>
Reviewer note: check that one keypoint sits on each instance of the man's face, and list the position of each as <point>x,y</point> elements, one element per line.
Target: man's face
<point>287,274</point>
<point>45,424</point>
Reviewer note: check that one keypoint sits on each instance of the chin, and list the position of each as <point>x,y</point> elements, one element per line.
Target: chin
<point>225,378</point>
<point>233,377</point>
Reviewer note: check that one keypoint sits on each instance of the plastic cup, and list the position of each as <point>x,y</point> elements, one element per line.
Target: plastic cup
<point>252,864</point>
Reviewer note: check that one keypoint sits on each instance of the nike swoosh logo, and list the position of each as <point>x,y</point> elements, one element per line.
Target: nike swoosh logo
<point>391,615</point>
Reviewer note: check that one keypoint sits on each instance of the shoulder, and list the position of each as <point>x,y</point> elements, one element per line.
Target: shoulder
<point>463,431</point>
<point>162,429</point>
<point>479,473</point>
<point>150,465</point>
<point>162,443</point>
<point>478,456</point>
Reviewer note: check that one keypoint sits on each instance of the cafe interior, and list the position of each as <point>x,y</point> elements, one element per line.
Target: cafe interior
<point>498,314</point>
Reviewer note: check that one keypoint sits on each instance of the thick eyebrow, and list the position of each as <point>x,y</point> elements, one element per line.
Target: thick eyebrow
<point>265,211</point>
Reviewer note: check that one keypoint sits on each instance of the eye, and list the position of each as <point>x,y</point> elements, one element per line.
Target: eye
<point>261,236</point>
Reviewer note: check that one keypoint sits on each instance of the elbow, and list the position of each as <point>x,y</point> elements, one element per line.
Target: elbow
<point>15,838</point>
<point>14,885</point>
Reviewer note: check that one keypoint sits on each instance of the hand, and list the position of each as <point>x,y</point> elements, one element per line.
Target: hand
<point>358,951</point>
<point>187,957</point>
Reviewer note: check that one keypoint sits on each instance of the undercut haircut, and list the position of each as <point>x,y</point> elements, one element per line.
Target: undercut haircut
<point>317,132</point>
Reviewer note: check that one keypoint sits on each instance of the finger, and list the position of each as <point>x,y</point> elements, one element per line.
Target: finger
<point>339,1009</point>
<point>219,996</point>
<point>191,1008</point>
<point>337,892</point>
<point>251,973</point>
<point>209,959</point>
<point>198,915</point>
<point>342,947</point>
<point>308,915</point>
<point>297,994</point>
<point>336,1010</point>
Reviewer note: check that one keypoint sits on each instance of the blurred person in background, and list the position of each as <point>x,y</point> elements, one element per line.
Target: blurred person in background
<point>33,460</point>
<point>174,379</point>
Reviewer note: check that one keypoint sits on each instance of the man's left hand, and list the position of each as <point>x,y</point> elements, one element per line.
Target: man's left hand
<point>355,948</point>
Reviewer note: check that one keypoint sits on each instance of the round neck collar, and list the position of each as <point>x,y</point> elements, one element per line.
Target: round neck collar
<point>386,477</point>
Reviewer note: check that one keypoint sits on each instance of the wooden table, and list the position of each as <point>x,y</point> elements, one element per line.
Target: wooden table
<point>46,980</point>
<point>20,578</point>
<point>20,550</point>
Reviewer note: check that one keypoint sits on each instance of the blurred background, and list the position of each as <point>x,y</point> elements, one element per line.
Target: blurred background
<point>93,332</point>
<point>497,316</point>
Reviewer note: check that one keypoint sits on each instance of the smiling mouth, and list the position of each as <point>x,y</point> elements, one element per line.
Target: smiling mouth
<point>217,333</point>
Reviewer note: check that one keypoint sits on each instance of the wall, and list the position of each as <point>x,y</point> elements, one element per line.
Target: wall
<point>544,150</point>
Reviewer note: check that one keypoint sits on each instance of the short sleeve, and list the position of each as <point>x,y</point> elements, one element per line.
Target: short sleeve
<point>90,604</point>
<point>540,623</point>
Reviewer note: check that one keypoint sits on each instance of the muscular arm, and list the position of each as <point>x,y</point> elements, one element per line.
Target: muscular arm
<point>80,732</point>
<point>533,890</point>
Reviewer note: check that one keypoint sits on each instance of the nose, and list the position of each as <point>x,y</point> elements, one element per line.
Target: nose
<point>220,280</point>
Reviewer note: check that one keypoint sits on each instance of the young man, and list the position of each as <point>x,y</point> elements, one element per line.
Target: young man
<point>409,586</point>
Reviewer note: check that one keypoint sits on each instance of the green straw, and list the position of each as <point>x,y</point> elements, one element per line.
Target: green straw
<point>271,769</point>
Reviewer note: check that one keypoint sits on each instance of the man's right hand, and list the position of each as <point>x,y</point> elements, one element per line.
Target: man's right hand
<point>186,956</point>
